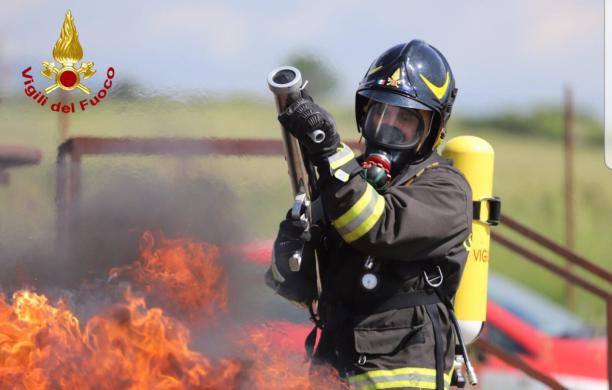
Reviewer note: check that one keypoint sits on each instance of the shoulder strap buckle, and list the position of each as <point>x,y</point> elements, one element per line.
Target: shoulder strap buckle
<point>494,208</point>
<point>435,281</point>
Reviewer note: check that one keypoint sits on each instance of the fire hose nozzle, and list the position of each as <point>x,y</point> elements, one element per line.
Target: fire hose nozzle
<point>285,80</point>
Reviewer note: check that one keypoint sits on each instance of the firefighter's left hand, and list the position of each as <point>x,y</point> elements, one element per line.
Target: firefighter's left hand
<point>305,119</point>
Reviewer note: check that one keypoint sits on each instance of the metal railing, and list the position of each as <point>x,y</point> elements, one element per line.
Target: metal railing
<point>579,262</point>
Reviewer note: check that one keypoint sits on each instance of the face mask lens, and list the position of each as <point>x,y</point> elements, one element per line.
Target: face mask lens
<point>393,126</point>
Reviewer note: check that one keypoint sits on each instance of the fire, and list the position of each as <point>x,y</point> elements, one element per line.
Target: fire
<point>275,364</point>
<point>67,50</point>
<point>43,346</point>
<point>127,347</point>
<point>180,275</point>
<point>273,368</point>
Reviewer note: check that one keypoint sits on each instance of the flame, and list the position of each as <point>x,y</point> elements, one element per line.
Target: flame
<point>127,347</point>
<point>275,363</point>
<point>67,50</point>
<point>180,275</point>
<point>43,346</point>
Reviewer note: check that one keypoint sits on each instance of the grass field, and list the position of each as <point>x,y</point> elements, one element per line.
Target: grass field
<point>528,175</point>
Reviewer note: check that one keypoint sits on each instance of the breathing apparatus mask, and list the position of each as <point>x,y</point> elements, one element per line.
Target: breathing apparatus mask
<point>393,136</point>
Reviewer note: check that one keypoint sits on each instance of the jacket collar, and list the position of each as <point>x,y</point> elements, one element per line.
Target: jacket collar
<point>411,170</point>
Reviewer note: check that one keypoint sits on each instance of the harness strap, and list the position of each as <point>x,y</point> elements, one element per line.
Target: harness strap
<point>309,343</point>
<point>311,339</point>
<point>494,209</point>
<point>401,301</point>
<point>434,316</point>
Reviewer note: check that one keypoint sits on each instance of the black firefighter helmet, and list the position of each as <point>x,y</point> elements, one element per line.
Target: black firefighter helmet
<point>411,84</point>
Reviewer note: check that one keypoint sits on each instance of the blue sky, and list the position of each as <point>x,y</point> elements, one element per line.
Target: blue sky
<point>503,53</point>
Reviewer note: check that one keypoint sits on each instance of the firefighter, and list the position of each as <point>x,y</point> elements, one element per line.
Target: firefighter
<point>397,221</point>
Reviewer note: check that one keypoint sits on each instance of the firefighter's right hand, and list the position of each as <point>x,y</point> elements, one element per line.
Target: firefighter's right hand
<point>314,128</point>
<point>291,239</point>
<point>296,285</point>
<point>291,228</point>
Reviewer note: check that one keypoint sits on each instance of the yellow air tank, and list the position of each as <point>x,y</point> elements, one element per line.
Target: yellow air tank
<point>474,157</point>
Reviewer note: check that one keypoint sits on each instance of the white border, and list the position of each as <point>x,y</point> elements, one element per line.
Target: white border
<point>608,83</point>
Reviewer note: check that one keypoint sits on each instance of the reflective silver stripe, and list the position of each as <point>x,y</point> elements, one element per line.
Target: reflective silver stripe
<point>356,221</point>
<point>362,216</point>
<point>275,272</point>
<point>341,175</point>
<point>355,209</point>
<point>340,158</point>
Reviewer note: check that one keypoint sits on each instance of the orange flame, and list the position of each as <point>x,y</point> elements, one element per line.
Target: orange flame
<point>181,275</point>
<point>67,50</point>
<point>44,347</point>
<point>130,347</point>
<point>276,364</point>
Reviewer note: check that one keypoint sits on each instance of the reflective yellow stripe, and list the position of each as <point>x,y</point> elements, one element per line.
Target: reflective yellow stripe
<point>340,162</point>
<point>374,70</point>
<point>356,209</point>
<point>397,371</point>
<point>424,378</point>
<point>369,221</point>
<point>341,157</point>
<point>399,384</point>
<point>362,216</point>
<point>437,91</point>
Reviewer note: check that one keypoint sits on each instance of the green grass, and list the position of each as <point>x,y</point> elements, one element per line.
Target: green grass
<point>546,121</point>
<point>528,175</point>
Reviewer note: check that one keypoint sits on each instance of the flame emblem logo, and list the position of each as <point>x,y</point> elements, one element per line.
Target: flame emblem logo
<point>68,52</point>
<point>396,79</point>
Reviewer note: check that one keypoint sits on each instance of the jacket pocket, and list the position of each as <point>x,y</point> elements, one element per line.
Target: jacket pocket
<point>389,332</point>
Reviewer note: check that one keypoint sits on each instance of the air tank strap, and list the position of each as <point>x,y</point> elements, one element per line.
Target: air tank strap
<point>494,207</point>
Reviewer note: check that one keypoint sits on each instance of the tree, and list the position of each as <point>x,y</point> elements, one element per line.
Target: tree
<point>321,79</point>
<point>127,89</point>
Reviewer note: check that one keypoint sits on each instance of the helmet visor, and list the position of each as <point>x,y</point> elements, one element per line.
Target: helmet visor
<point>393,126</point>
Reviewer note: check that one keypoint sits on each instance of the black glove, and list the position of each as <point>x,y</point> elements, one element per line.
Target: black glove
<point>302,119</point>
<point>295,285</point>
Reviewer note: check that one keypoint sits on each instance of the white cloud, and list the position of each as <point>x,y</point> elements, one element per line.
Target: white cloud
<point>556,28</point>
<point>219,28</point>
<point>536,45</point>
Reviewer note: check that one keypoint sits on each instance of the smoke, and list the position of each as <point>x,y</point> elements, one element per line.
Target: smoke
<point>103,231</point>
<point>120,201</point>
<point>106,227</point>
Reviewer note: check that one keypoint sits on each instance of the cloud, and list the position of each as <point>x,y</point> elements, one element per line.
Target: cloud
<point>218,28</point>
<point>230,46</point>
<point>12,10</point>
<point>557,28</point>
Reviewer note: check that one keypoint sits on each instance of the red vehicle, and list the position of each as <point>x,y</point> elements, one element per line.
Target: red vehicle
<point>544,334</point>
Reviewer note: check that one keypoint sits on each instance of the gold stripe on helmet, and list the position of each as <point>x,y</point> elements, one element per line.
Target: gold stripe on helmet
<point>437,91</point>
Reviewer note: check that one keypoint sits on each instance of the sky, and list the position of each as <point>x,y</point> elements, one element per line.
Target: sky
<point>504,54</point>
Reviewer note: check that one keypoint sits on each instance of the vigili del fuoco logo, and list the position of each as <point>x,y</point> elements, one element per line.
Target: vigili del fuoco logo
<point>68,75</point>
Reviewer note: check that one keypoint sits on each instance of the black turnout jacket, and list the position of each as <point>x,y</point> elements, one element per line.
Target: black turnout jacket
<point>389,336</point>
